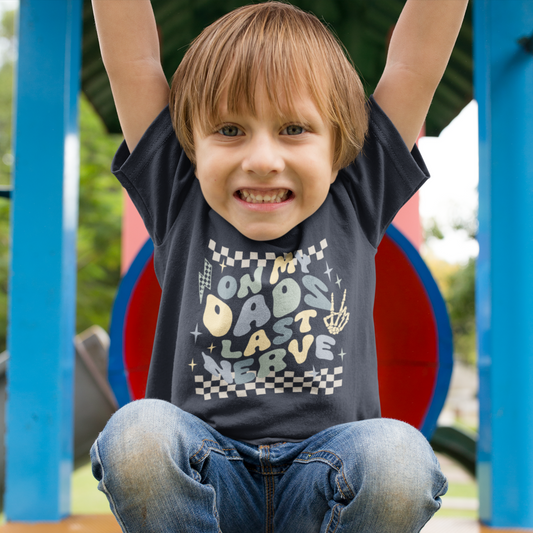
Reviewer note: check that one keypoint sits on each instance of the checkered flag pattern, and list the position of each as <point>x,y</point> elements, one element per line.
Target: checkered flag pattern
<point>325,381</point>
<point>232,258</point>
<point>312,251</point>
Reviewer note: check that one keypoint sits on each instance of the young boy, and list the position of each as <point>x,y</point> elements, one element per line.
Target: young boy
<point>266,187</point>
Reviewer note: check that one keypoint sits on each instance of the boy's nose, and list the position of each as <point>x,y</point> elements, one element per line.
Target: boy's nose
<point>263,157</point>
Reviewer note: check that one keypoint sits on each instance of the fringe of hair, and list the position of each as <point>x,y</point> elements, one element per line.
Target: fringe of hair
<point>289,51</point>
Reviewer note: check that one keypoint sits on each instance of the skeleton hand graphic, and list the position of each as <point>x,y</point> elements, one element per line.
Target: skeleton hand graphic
<point>336,320</point>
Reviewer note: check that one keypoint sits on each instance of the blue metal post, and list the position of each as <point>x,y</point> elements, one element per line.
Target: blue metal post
<point>504,90</point>
<point>43,262</point>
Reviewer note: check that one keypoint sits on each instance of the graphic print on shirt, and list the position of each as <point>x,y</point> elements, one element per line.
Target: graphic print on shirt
<point>268,324</point>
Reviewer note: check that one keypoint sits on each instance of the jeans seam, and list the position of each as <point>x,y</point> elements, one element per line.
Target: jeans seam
<point>256,470</point>
<point>270,514</point>
<point>333,515</point>
<point>206,449</point>
<point>270,480</point>
<point>349,488</point>
<point>107,493</point>
<point>215,514</point>
<point>268,477</point>
<point>310,454</point>
<point>340,470</point>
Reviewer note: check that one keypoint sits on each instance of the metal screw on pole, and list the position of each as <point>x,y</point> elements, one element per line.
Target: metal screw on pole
<point>527,43</point>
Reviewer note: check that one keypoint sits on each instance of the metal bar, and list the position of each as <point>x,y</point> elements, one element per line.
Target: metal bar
<point>503,81</point>
<point>43,262</point>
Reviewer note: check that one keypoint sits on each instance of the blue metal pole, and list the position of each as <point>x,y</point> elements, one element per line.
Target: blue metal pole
<point>504,89</point>
<point>43,262</point>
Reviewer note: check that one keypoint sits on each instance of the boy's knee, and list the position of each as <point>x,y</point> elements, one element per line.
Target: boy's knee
<point>395,461</point>
<point>137,449</point>
<point>143,444</point>
<point>138,420</point>
<point>390,442</point>
<point>138,435</point>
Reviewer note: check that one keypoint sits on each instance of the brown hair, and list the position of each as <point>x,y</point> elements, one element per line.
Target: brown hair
<point>286,49</point>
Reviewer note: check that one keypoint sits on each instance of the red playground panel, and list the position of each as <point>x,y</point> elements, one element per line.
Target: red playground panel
<point>406,338</point>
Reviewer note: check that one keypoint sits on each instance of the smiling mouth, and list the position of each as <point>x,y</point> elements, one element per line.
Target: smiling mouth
<point>274,196</point>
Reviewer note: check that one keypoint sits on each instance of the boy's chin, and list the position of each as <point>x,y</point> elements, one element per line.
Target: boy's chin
<point>264,234</point>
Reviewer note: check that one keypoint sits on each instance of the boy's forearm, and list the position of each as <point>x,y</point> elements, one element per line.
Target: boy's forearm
<point>129,43</point>
<point>127,32</point>
<point>424,37</point>
<point>419,51</point>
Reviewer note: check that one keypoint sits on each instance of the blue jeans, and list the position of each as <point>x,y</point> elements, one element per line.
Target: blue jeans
<point>164,470</point>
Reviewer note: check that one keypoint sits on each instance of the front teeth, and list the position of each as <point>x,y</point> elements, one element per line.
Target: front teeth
<point>270,197</point>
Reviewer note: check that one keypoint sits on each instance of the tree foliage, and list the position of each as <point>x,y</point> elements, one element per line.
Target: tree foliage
<point>461,302</point>
<point>457,284</point>
<point>99,230</point>
<point>6,85</point>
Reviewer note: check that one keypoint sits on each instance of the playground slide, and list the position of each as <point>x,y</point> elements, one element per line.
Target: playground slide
<point>94,401</point>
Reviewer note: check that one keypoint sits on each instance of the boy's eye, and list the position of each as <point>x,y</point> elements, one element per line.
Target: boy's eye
<point>230,131</point>
<point>293,129</point>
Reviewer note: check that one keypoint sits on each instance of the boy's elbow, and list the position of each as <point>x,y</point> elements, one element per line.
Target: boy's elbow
<point>127,71</point>
<point>420,82</point>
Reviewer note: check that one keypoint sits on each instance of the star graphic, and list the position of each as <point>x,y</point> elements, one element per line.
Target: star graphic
<point>223,266</point>
<point>315,374</point>
<point>338,282</point>
<point>211,348</point>
<point>328,271</point>
<point>192,364</point>
<point>342,354</point>
<point>195,333</point>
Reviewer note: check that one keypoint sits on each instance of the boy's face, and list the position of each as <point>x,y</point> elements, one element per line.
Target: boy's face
<point>266,174</point>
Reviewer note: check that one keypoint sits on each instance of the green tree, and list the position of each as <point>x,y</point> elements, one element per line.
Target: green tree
<point>458,285</point>
<point>100,218</point>
<point>461,302</point>
<point>7,25</point>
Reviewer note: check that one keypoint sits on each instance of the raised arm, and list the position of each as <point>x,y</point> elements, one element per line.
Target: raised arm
<point>420,48</point>
<point>130,49</point>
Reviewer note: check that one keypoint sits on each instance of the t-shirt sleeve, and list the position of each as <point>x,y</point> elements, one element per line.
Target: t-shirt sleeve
<point>384,175</point>
<point>156,175</point>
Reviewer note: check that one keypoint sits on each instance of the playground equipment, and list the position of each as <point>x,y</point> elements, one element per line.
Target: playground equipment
<point>42,291</point>
<point>504,278</point>
<point>94,401</point>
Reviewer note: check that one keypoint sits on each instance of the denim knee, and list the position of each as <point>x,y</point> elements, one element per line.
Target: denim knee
<point>396,463</point>
<point>142,461</point>
<point>139,439</point>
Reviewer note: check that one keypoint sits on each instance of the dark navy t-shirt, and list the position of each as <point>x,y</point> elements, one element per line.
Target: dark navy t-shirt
<point>268,341</point>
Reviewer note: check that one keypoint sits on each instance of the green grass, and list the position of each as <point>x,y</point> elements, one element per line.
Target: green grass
<point>459,490</point>
<point>456,513</point>
<point>86,498</point>
<point>462,490</point>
